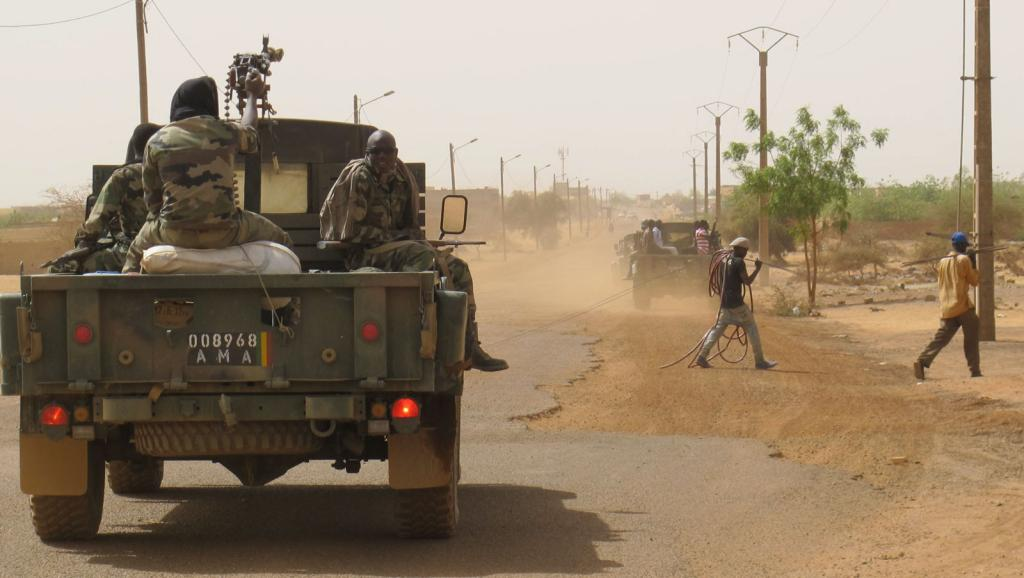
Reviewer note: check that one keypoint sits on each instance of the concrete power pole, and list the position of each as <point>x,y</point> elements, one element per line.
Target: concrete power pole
<point>762,224</point>
<point>983,169</point>
<point>693,154</point>
<point>718,109</point>
<point>140,41</point>
<point>705,137</point>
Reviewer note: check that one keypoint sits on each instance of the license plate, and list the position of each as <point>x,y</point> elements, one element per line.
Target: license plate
<point>246,348</point>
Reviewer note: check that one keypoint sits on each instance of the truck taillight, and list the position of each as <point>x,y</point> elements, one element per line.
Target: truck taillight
<point>83,334</point>
<point>405,408</point>
<point>370,332</point>
<point>54,415</point>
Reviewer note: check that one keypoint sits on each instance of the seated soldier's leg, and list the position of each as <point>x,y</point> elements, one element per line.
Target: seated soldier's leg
<point>255,227</point>
<point>461,280</point>
<point>416,256</point>
<point>147,237</point>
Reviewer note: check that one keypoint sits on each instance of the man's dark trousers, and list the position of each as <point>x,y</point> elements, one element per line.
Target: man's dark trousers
<point>947,329</point>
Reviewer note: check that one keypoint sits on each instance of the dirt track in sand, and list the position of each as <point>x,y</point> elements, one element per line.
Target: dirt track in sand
<point>948,453</point>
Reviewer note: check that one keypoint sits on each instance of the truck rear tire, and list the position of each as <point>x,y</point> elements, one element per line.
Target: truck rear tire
<point>434,512</point>
<point>57,518</point>
<point>135,477</point>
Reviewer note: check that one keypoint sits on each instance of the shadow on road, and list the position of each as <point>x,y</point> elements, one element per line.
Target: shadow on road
<point>350,530</point>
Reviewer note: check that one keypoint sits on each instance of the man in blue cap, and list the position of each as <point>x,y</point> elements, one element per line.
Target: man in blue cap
<point>957,273</point>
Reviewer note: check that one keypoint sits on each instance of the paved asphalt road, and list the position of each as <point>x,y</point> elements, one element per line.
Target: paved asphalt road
<point>532,503</point>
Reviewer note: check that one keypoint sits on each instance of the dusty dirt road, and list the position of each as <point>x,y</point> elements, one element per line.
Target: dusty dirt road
<point>614,466</point>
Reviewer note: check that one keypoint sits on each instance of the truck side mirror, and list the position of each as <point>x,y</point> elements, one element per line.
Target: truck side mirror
<point>454,212</point>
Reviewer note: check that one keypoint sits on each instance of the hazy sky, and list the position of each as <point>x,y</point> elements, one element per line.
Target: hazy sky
<point>617,83</point>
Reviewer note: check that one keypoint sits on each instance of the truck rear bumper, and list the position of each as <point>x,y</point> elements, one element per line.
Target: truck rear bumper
<point>231,408</point>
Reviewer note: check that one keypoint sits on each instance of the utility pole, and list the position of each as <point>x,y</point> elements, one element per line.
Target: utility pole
<point>718,109</point>
<point>451,163</point>
<point>983,169</point>
<point>568,207</point>
<point>705,137</point>
<point>693,153</point>
<point>536,215</point>
<point>762,222</point>
<point>140,40</point>
<point>355,116</point>
<point>504,239</point>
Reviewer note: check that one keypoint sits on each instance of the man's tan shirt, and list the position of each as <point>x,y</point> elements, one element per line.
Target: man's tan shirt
<point>956,277</point>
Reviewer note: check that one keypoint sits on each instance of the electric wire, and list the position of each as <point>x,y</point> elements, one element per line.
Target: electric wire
<point>820,20</point>
<point>861,31</point>
<point>963,115</point>
<point>180,41</point>
<point>66,20</point>
<point>779,12</point>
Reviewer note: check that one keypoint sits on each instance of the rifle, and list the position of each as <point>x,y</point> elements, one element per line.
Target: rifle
<point>433,243</point>
<point>934,259</point>
<point>243,63</point>
<point>77,254</point>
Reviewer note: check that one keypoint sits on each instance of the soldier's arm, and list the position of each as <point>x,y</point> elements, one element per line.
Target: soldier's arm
<point>107,206</point>
<point>152,185</point>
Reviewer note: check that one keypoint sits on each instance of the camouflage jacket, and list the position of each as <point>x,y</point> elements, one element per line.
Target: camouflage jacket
<point>119,207</point>
<point>188,171</point>
<point>363,208</point>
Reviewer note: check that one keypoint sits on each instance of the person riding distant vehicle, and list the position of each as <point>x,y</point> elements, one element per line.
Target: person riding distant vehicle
<point>659,239</point>
<point>702,238</point>
<point>117,214</point>
<point>372,207</point>
<point>733,310</point>
<point>188,176</point>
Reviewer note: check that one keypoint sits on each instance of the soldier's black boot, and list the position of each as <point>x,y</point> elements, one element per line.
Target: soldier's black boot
<point>479,358</point>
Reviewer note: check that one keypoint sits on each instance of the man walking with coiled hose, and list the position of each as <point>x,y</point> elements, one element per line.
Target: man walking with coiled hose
<point>733,311</point>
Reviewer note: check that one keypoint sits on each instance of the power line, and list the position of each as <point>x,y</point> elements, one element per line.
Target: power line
<point>180,41</point>
<point>777,14</point>
<point>820,20</point>
<point>861,31</point>
<point>66,20</point>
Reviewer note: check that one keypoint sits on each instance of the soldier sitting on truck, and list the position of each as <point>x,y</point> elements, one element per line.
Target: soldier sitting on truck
<point>372,207</point>
<point>188,176</point>
<point>117,213</point>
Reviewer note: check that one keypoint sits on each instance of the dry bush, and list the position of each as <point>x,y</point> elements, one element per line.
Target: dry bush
<point>70,206</point>
<point>782,304</point>
<point>851,258</point>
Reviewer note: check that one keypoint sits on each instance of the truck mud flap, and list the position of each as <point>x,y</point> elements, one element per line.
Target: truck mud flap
<point>420,460</point>
<point>53,467</point>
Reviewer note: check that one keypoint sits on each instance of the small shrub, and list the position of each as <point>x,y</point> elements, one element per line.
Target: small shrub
<point>782,304</point>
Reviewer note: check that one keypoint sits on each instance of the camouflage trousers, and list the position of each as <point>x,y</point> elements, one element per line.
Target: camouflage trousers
<point>109,259</point>
<point>415,256</point>
<point>244,227</point>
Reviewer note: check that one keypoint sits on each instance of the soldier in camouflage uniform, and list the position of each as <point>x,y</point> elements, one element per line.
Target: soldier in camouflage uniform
<point>373,206</point>
<point>188,176</point>
<point>117,214</point>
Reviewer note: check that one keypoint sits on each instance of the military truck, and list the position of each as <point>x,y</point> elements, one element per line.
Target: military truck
<point>659,273</point>
<point>118,374</point>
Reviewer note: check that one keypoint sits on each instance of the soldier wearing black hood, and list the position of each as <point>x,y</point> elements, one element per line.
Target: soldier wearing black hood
<point>119,211</point>
<point>188,176</point>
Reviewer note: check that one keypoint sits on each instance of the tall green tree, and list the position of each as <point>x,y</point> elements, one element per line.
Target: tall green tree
<point>809,181</point>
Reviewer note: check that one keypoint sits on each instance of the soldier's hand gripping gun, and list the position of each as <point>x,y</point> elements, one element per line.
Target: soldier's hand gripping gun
<point>244,63</point>
<point>78,254</point>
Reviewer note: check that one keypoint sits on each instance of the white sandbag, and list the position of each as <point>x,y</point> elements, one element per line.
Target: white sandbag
<point>263,257</point>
